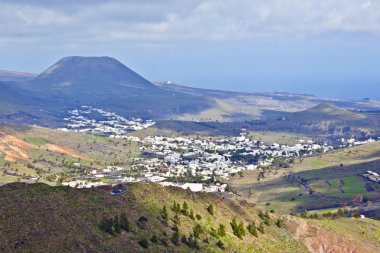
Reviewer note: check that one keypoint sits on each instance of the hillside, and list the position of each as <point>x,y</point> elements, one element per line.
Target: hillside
<point>7,75</point>
<point>36,218</point>
<point>325,120</point>
<point>106,83</point>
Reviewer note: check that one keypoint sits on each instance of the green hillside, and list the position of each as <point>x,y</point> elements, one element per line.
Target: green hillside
<point>40,218</point>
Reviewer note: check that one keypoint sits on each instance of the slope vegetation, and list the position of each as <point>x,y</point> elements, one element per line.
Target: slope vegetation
<point>40,218</point>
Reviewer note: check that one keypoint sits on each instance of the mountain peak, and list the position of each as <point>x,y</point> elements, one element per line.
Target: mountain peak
<point>324,107</point>
<point>101,71</point>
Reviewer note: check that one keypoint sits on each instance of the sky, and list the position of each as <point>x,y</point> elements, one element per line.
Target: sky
<point>329,48</point>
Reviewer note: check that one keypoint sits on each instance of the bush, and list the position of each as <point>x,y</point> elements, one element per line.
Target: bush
<point>198,216</point>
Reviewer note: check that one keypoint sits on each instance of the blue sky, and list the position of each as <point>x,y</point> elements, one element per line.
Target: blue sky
<point>329,48</point>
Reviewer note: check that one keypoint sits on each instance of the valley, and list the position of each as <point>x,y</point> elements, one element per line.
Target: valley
<point>96,152</point>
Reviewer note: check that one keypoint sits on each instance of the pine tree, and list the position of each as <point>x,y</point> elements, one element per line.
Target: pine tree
<point>185,209</point>
<point>210,209</point>
<point>261,228</point>
<point>176,219</point>
<point>252,229</point>
<point>241,229</point>
<point>165,215</point>
<point>279,223</point>
<point>116,224</point>
<point>192,214</point>
<point>175,238</point>
<point>197,230</point>
<point>222,230</point>
<point>124,223</point>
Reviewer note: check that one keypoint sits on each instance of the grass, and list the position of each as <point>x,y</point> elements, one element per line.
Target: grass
<point>270,137</point>
<point>38,141</point>
<point>72,215</point>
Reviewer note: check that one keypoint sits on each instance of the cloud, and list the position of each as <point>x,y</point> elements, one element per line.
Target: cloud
<point>169,21</point>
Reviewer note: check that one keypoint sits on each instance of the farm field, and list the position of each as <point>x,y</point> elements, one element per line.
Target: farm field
<point>328,181</point>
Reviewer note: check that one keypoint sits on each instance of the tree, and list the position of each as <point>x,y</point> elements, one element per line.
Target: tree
<point>175,238</point>
<point>241,229</point>
<point>261,228</point>
<point>197,230</point>
<point>185,209</point>
<point>280,223</point>
<point>198,216</point>
<point>252,229</point>
<point>238,229</point>
<point>154,239</point>
<point>176,219</point>
<point>165,215</point>
<point>356,213</point>
<point>116,224</point>
<point>124,223</point>
<point>192,214</point>
<point>106,225</point>
<point>222,230</point>
<point>210,209</point>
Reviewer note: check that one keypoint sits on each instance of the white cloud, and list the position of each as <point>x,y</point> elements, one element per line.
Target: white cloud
<point>184,20</point>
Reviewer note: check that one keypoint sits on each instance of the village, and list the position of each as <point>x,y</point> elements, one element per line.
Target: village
<point>195,163</point>
<point>100,122</point>
<point>198,164</point>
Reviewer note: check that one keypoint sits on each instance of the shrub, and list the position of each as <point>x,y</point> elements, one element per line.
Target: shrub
<point>198,216</point>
